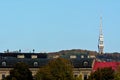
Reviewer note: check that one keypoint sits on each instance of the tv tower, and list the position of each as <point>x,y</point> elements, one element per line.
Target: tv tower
<point>101,39</point>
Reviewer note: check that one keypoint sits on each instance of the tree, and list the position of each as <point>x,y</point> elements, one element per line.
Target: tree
<point>117,73</point>
<point>103,74</point>
<point>56,69</point>
<point>79,77</point>
<point>20,72</point>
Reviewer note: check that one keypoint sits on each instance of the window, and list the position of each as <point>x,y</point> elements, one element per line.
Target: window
<point>75,76</point>
<point>85,63</point>
<point>20,56</point>
<point>85,77</point>
<point>101,42</point>
<point>3,63</point>
<point>3,76</point>
<point>82,56</point>
<point>73,56</point>
<point>35,64</point>
<point>33,56</point>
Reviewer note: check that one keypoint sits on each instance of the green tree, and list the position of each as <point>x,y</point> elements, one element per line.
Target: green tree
<point>43,74</point>
<point>103,74</point>
<point>20,72</point>
<point>56,69</point>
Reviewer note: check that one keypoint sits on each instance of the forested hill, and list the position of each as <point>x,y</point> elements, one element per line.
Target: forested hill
<point>72,51</point>
<point>104,57</point>
<point>75,51</point>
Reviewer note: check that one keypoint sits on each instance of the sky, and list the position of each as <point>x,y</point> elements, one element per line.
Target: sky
<point>54,25</point>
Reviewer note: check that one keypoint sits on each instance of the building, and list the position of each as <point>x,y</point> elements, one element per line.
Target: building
<point>82,67</point>
<point>82,64</point>
<point>101,39</point>
<point>100,65</point>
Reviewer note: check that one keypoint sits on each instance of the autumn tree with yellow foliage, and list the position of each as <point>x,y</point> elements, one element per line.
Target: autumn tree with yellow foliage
<point>56,69</point>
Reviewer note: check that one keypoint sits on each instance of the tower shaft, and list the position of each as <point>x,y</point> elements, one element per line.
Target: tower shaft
<point>101,39</point>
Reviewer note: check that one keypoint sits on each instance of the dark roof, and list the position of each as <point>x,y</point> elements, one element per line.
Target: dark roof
<point>10,62</point>
<point>77,63</point>
<point>27,55</point>
<point>82,63</point>
<point>78,55</point>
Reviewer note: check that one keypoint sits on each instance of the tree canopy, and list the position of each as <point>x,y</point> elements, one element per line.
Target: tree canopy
<point>103,74</point>
<point>56,69</point>
<point>20,72</point>
<point>117,73</point>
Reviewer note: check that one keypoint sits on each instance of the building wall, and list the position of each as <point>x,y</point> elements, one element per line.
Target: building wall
<point>5,71</point>
<point>76,71</point>
<point>34,70</point>
<point>82,72</point>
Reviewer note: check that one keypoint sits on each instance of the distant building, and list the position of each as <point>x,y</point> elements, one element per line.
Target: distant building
<point>100,65</point>
<point>82,66</point>
<point>101,39</point>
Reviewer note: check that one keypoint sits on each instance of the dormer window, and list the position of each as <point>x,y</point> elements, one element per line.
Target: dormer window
<point>35,64</point>
<point>85,63</point>
<point>88,56</point>
<point>56,56</point>
<point>33,56</point>
<point>73,56</point>
<point>3,63</point>
<point>82,56</point>
<point>20,56</point>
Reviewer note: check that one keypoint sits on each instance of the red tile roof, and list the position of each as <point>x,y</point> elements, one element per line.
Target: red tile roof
<point>105,64</point>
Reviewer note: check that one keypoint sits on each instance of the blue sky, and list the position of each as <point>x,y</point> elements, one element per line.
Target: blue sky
<point>54,25</point>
